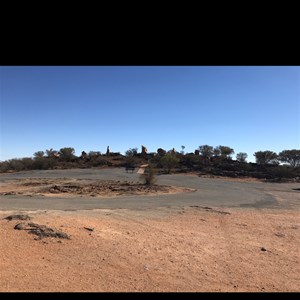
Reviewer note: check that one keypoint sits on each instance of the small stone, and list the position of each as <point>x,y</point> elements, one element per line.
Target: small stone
<point>279,234</point>
<point>263,249</point>
<point>89,228</point>
<point>20,226</point>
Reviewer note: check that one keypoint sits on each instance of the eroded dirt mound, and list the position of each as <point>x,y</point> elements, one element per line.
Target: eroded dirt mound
<point>104,188</point>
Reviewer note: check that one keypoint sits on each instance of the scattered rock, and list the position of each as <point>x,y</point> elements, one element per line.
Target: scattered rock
<point>279,234</point>
<point>18,217</point>
<point>222,212</point>
<point>146,267</point>
<point>20,226</point>
<point>41,231</point>
<point>263,249</point>
<point>8,193</point>
<point>89,229</point>
<point>211,209</point>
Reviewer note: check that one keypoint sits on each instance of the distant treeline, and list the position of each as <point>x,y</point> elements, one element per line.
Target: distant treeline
<point>206,159</point>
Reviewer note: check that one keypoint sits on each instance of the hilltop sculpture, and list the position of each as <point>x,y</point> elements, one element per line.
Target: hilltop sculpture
<point>83,155</point>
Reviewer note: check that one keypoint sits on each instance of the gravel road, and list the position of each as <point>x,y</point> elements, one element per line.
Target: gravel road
<point>215,192</point>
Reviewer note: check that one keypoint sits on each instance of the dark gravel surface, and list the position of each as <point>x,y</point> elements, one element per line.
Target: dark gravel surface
<point>215,192</point>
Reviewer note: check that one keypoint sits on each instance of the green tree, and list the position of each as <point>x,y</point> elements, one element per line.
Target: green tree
<point>182,149</point>
<point>131,152</point>
<point>241,156</point>
<point>217,152</point>
<point>292,157</point>
<point>130,157</point>
<point>66,154</point>
<point>39,154</point>
<point>206,151</point>
<point>51,153</point>
<point>225,151</point>
<point>169,161</point>
<point>265,157</point>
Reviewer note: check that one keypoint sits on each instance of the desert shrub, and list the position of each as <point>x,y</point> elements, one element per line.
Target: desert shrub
<point>93,153</point>
<point>97,161</point>
<point>27,163</point>
<point>4,166</point>
<point>40,163</point>
<point>149,176</point>
<point>16,164</point>
<point>45,163</point>
<point>282,172</point>
<point>191,161</point>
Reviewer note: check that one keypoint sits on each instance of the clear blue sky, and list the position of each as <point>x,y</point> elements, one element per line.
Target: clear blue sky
<point>88,108</point>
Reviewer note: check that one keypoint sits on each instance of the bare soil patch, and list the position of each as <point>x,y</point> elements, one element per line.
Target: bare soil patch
<point>192,249</point>
<point>100,188</point>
